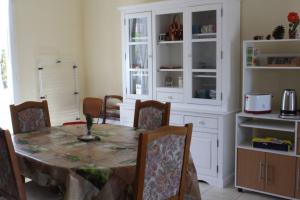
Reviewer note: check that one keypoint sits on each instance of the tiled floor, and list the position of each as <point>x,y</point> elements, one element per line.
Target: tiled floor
<point>230,193</point>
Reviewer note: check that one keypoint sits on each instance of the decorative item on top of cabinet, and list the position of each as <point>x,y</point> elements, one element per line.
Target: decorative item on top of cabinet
<point>294,21</point>
<point>278,32</point>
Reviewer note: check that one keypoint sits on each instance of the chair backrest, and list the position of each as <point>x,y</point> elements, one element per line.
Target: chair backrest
<point>162,163</point>
<point>111,107</point>
<point>30,116</point>
<point>151,114</point>
<point>11,183</point>
<point>92,106</point>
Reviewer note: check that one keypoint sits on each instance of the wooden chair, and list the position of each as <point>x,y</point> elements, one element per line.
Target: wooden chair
<point>111,107</point>
<point>151,114</point>
<point>30,116</point>
<point>93,106</point>
<point>162,163</point>
<point>12,186</point>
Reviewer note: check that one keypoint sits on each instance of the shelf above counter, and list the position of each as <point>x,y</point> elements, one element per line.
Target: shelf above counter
<point>271,41</point>
<point>271,116</point>
<point>249,146</point>
<point>274,68</point>
<point>269,125</point>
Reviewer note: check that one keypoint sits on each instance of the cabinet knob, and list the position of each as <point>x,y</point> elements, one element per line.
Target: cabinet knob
<point>170,97</point>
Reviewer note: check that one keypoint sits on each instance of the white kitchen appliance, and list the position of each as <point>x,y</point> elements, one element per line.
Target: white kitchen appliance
<point>258,103</point>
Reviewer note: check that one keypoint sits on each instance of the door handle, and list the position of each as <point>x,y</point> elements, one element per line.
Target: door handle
<point>261,165</point>
<point>298,180</point>
<point>267,166</point>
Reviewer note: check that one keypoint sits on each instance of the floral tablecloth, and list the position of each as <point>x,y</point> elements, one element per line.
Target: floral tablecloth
<point>85,171</point>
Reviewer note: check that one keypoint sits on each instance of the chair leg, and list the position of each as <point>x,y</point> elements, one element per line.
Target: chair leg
<point>98,120</point>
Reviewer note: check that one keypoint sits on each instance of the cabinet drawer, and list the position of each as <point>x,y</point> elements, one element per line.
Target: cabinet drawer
<point>170,97</point>
<point>202,122</point>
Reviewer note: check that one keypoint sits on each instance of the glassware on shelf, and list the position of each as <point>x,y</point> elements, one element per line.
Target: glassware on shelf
<point>204,85</point>
<point>204,25</point>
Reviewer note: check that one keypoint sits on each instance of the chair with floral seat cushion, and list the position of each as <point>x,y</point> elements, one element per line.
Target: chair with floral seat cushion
<point>162,163</point>
<point>11,182</point>
<point>111,108</point>
<point>30,116</point>
<point>12,186</point>
<point>151,115</point>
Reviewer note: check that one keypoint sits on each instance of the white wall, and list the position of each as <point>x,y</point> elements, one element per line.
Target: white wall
<point>46,27</point>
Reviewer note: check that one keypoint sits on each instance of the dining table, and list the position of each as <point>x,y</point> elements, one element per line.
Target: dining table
<point>102,169</point>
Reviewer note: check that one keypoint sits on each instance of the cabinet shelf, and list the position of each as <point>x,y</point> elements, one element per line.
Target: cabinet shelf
<point>204,70</point>
<point>272,41</point>
<point>137,43</point>
<point>204,34</point>
<point>170,70</point>
<point>249,146</point>
<point>138,70</point>
<point>270,67</point>
<point>205,40</point>
<point>171,42</point>
<point>204,76</point>
<point>272,116</point>
<point>269,125</point>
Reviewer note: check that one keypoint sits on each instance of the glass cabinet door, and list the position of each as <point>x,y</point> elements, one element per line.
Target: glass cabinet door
<point>205,54</point>
<point>138,55</point>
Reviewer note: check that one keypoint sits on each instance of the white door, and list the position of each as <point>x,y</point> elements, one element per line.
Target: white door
<point>204,54</point>
<point>204,153</point>
<point>138,58</point>
<point>59,86</point>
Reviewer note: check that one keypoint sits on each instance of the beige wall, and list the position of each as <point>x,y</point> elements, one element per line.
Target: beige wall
<point>89,31</point>
<point>260,17</point>
<point>45,27</point>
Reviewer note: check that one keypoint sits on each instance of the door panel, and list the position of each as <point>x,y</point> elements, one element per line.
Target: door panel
<point>250,169</point>
<point>280,174</point>
<point>297,194</point>
<point>138,55</point>
<point>204,152</point>
<point>298,146</point>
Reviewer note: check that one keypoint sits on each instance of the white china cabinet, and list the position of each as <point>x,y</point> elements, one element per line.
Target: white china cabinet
<point>187,53</point>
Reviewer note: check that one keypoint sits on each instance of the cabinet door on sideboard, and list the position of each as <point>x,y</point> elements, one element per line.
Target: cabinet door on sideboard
<point>297,194</point>
<point>280,174</point>
<point>205,153</point>
<point>250,169</point>
<point>298,146</point>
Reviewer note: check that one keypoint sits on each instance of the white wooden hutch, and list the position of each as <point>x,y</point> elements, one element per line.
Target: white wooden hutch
<point>199,74</point>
